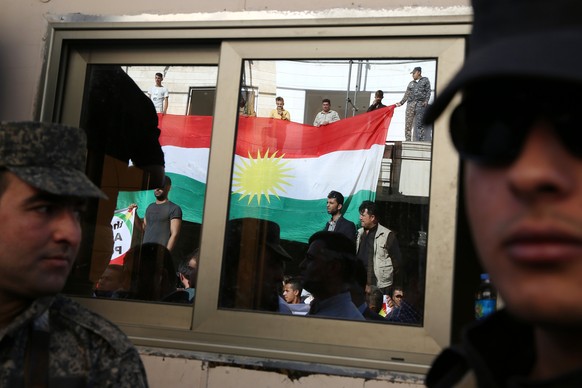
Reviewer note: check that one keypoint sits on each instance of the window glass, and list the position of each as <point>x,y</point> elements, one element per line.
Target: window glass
<point>149,130</point>
<point>307,129</point>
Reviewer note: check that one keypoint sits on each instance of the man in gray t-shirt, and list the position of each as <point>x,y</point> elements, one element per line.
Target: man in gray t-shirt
<point>163,219</point>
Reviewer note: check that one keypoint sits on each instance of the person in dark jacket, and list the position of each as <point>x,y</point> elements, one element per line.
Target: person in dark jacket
<point>337,223</point>
<point>522,158</point>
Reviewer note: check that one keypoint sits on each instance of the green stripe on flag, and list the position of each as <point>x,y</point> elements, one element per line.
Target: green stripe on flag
<point>298,219</point>
<point>186,192</point>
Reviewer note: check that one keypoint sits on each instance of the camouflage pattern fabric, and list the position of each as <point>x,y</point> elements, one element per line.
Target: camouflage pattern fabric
<point>85,350</point>
<point>417,93</point>
<point>50,157</point>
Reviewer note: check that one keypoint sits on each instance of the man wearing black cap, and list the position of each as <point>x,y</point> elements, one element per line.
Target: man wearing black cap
<point>523,193</point>
<point>45,338</point>
<point>417,95</point>
<point>328,273</point>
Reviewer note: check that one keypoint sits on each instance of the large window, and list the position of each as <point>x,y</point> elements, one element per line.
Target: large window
<point>414,182</point>
<point>284,167</point>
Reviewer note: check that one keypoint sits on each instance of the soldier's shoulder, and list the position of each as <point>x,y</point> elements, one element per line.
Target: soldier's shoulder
<point>72,314</point>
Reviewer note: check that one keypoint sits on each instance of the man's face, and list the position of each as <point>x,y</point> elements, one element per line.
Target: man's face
<point>325,106</point>
<point>397,297</point>
<point>158,80</point>
<point>110,280</point>
<point>415,75</point>
<point>289,294</point>
<point>161,193</point>
<point>366,220</point>
<point>333,207</point>
<point>526,218</point>
<point>40,236</point>
<point>280,104</point>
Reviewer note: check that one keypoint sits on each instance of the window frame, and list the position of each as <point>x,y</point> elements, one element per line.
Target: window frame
<point>204,327</point>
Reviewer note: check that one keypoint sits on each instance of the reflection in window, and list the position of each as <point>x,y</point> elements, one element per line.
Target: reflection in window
<point>129,145</point>
<point>284,170</point>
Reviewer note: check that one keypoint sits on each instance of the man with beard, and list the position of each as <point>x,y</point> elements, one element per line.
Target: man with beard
<point>163,219</point>
<point>327,115</point>
<point>335,203</point>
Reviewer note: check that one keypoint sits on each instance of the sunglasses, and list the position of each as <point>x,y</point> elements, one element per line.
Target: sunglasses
<point>494,136</point>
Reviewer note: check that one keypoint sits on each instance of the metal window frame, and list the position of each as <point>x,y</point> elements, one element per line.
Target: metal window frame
<point>74,44</point>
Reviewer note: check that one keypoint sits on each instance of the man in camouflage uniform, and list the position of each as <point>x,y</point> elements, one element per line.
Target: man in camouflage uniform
<point>47,339</point>
<point>417,95</point>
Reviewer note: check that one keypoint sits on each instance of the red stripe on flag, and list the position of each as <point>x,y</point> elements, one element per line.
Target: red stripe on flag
<point>185,131</point>
<point>292,139</point>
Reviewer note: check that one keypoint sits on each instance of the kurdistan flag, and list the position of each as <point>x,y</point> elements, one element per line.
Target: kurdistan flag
<point>282,171</point>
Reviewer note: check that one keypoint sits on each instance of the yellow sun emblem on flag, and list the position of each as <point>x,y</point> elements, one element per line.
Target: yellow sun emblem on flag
<point>263,175</point>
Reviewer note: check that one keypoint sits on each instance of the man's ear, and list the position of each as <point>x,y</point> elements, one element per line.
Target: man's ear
<point>339,206</point>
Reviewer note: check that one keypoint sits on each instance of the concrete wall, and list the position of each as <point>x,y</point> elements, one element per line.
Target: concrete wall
<point>23,29</point>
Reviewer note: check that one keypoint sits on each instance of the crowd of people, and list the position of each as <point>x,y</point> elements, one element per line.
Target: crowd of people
<point>342,270</point>
<point>345,269</point>
<point>522,169</point>
<point>416,98</point>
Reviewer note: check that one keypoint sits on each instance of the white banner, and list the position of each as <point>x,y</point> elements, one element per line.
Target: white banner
<point>122,225</point>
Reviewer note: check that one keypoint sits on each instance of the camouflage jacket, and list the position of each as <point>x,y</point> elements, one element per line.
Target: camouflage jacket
<point>422,90</point>
<point>417,91</point>
<point>84,350</point>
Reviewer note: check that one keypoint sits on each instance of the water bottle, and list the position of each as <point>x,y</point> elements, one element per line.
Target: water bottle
<point>485,298</point>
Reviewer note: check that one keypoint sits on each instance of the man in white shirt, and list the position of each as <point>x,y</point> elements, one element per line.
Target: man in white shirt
<point>159,94</point>
<point>326,116</point>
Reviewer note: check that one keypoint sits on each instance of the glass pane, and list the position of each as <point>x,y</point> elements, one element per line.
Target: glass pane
<point>309,128</point>
<point>142,243</point>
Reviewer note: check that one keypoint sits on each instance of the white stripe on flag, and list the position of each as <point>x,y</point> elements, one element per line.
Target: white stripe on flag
<point>345,171</point>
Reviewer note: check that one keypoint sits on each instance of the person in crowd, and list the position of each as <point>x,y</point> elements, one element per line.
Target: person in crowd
<point>358,293</point>
<point>337,223</point>
<point>377,248</point>
<point>192,263</point>
<point>377,104</point>
<point>152,275</point>
<point>110,281</point>
<point>522,193</point>
<point>163,218</point>
<point>416,96</point>
<point>46,339</point>
<point>327,272</point>
<point>292,289</point>
<point>253,279</point>
<point>187,277</point>
<point>159,94</point>
<point>280,113</point>
<point>327,115</point>
<point>375,299</point>
<point>401,311</point>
